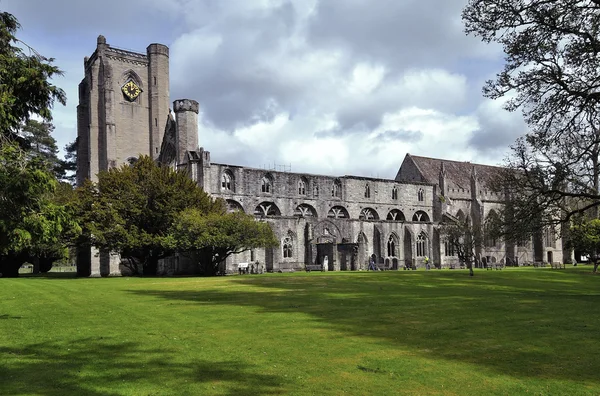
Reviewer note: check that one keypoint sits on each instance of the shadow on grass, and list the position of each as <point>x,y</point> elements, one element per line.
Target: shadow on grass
<point>101,366</point>
<point>525,325</point>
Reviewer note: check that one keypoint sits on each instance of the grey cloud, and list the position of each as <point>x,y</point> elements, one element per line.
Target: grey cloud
<point>498,129</point>
<point>400,33</point>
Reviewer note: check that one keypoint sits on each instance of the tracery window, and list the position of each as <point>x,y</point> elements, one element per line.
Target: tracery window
<point>301,187</point>
<point>550,237</point>
<point>336,189</point>
<point>449,249</point>
<point>421,245</point>
<point>288,247</point>
<point>226,182</point>
<point>391,245</point>
<point>266,185</point>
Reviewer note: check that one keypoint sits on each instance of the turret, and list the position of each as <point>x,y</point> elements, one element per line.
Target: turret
<point>186,116</point>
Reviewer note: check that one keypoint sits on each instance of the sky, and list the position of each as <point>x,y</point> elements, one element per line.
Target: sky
<point>334,87</point>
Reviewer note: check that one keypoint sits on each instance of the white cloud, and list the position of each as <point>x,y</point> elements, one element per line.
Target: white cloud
<point>336,86</point>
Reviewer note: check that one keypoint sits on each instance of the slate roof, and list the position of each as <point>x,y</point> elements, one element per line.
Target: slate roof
<point>458,174</point>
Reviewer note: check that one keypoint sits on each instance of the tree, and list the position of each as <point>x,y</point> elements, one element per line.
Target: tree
<point>464,239</point>
<point>219,235</point>
<point>552,74</point>
<point>39,143</point>
<point>68,166</point>
<point>32,223</point>
<point>585,237</point>
<point>131,211</point>
<point>25,87</point>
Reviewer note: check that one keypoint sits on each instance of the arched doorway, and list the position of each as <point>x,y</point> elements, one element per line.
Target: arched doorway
<point>408,251</point>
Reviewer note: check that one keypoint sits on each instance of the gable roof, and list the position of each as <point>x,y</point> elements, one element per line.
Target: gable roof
<point>458,174</point>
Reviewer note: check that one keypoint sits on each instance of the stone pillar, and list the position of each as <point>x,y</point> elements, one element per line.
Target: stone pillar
<point>95,263</point>
<point>186,116</point>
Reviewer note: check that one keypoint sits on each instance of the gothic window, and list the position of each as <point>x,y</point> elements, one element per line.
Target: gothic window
<point>420,216</point>
<point>226,182</point>
<point>338,212</point>
<point>267,209</point>
<point>131,161</point>
<point>421,245</point>
<point>550,237</point>
<point>395,215</point>
<point>368,214</point>
<point>234,206</point>
<point>391,245</point>
<point>315,190</point>
<point>449,249</point>
<point>288,247</point>
<point>301,187</point>
<point>336,189</point>
<point>305,210</point>
<point>367,191</point>
<point>266,185</point>
<point>421,195</point>
<point>395,193</point>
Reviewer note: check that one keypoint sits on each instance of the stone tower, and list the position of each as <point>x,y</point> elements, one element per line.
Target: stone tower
<point>186,117</point>
<point>123,107</point>
<point>122,112</point>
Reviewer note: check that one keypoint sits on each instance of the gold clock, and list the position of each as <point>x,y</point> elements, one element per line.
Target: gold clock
<point>131,90</point>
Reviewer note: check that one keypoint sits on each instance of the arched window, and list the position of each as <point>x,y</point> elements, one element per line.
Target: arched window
<point>367,191</point>
<point>395,215</point>
<point>305,210</point>
<point>550,237</point>
<point>266,185</point>
<point>420,216</point>
<point>338,212</point>
<point>368,214</point>
<point>421,245</point>
<point>449,248</point>
<point>336,189</point>
<point>226,183</point>
<point>288,247</point>
<point>391,245</point>
<point>421,195</point>
<point>234,206</point>
<point>131,161</point>
<point>267,209</point>
<point>301,187</point>
<point>315,190</point>
<point>395,193</point>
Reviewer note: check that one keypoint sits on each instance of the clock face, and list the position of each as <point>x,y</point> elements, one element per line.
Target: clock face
<point>131,90</point>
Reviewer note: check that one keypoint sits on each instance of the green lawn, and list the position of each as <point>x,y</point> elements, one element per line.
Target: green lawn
<point>516,331</point>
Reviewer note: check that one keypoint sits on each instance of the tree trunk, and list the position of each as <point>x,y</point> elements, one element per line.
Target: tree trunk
<point>151,266</point>
<point>9,267</point>
<point>596,266</point>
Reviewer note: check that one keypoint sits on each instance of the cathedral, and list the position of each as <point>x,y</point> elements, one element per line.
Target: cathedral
<point>330,223</point>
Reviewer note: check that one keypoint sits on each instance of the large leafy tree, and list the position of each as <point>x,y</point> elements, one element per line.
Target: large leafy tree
<point>33,224</point>
<point>131,211</point>
<point>552,75</point>
<point>25,87</point>
<point>219,235</point>
<point>585,237</point>
<point>464,238</point>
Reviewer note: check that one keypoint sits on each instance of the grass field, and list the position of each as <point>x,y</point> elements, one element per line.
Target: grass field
<point>516,331</point>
